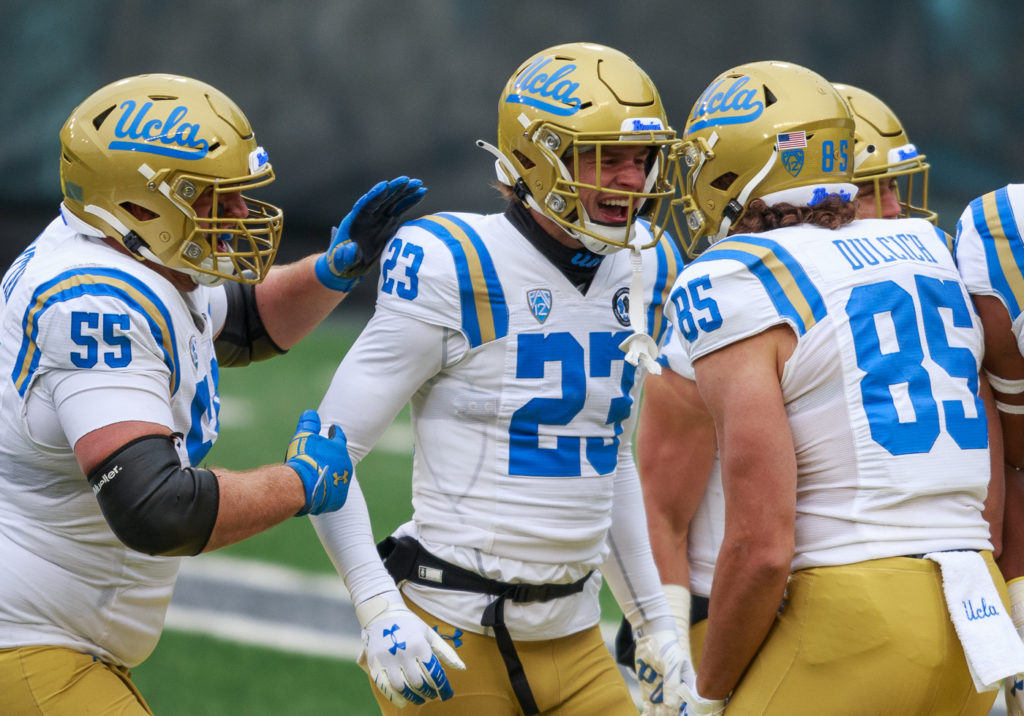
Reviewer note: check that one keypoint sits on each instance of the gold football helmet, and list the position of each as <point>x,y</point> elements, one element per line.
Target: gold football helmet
<point>883,153</point>
<point>162,142</point>
<point>571,99</point>
<point>770,130</point>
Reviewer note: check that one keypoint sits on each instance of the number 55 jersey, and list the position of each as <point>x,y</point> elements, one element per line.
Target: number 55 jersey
<point>89,337</point>
<point>885,367</point>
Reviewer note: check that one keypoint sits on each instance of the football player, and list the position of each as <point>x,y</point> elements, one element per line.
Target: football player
<point>521,339</point>
<point>675,433</point>
<point>114,323</point>
<point>989,251</point>
<point>890,173</point>
<point>851,443</point>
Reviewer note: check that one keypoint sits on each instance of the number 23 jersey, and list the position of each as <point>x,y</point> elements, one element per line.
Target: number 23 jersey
<point>882,389</point>
<point>538,399</point>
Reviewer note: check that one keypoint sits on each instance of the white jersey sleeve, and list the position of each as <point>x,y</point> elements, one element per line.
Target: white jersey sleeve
<point>738,289</point>
<point>989,250</point>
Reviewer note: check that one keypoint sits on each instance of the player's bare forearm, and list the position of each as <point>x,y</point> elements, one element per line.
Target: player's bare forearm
<point>675,452</point>
<point>292,302</point>
<point>253,501</point>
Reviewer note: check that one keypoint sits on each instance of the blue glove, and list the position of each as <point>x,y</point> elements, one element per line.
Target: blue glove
<point>323,464</point>
<point>359,241</point>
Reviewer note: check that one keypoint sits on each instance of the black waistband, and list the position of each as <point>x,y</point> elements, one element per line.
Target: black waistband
<point>406,560</point>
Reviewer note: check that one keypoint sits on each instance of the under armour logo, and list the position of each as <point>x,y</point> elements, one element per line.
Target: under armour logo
<point>395,644</point>
<point>1018,685</point>
<point>455,639</point>
<point>343,477</point>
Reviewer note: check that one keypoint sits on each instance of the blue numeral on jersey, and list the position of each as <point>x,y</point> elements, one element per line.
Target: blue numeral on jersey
<point>904,366</point>
<point>406,286</point>
<point>84,324</point>
<point>535,352</point>
<point>687,300</point>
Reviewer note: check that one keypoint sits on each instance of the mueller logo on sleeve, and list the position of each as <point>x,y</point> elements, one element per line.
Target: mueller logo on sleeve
<point>550,91</point>
<point>169,136</point>
<point>720,104</point>
<point>105,478</point>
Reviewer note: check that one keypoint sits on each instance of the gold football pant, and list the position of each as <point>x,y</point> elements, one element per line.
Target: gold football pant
<point>871,638</point>
<point>57,681</point>
<point>571,676</point>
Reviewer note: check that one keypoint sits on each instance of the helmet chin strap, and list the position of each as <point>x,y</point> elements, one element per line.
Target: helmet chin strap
<point>640,348</point>
<point>741,199</point>
<point>507,175</point>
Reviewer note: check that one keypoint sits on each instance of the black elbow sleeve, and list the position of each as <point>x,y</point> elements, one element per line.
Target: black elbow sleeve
<point>151,503</point>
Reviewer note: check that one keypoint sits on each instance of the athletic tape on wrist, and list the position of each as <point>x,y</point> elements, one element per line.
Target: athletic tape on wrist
<point>1007,386</point>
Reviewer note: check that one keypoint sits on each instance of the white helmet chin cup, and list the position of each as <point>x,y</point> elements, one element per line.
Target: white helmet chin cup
<point>601,247</point>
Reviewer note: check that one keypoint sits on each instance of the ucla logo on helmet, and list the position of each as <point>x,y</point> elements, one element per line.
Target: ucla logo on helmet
<point>620,305</point>
<point>722,103</point>
<point>539,300</point>
<point>550,90</point>
<point>169,136</point>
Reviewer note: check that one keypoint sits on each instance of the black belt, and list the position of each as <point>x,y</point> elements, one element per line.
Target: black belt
<point>406,560</point>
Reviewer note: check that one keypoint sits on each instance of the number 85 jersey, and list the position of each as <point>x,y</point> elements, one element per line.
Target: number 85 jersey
<point>881,390</point>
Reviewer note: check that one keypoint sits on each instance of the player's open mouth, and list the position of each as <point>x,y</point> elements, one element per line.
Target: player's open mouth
<point>613,210</point>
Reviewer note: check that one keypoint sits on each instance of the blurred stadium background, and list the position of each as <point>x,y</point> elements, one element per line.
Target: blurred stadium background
<point>344,93</point>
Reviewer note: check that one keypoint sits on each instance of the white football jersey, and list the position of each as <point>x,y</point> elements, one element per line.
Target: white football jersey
<point>89,337</point>
<point>520,430</point>
<point>989,250</point>
<point>881,390</point>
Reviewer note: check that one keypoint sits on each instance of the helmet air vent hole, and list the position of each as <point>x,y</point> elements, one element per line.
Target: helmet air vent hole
<point>100,118</point>
<point>723,182</point>
<point>769,97</point>
<point>523,159</point>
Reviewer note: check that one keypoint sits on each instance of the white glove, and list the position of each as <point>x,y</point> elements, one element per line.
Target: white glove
<point>400,652</point>
<point>1014,687</point>
<point>661,667</point>
<point>696,705</point>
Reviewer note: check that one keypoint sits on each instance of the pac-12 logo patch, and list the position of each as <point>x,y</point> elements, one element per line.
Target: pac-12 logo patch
<point>539,300</point>
<point>620,305</point>
<point>793,160</point>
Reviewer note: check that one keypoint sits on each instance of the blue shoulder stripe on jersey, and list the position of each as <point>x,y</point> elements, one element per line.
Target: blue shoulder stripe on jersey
<point>484,310</point>
<point>670,263</point>
<point>790,288</point>
<point>94,282</point>
<point>1004,250</point>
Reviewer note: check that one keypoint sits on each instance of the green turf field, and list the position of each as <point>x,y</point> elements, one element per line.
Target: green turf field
<point>199,675</point>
